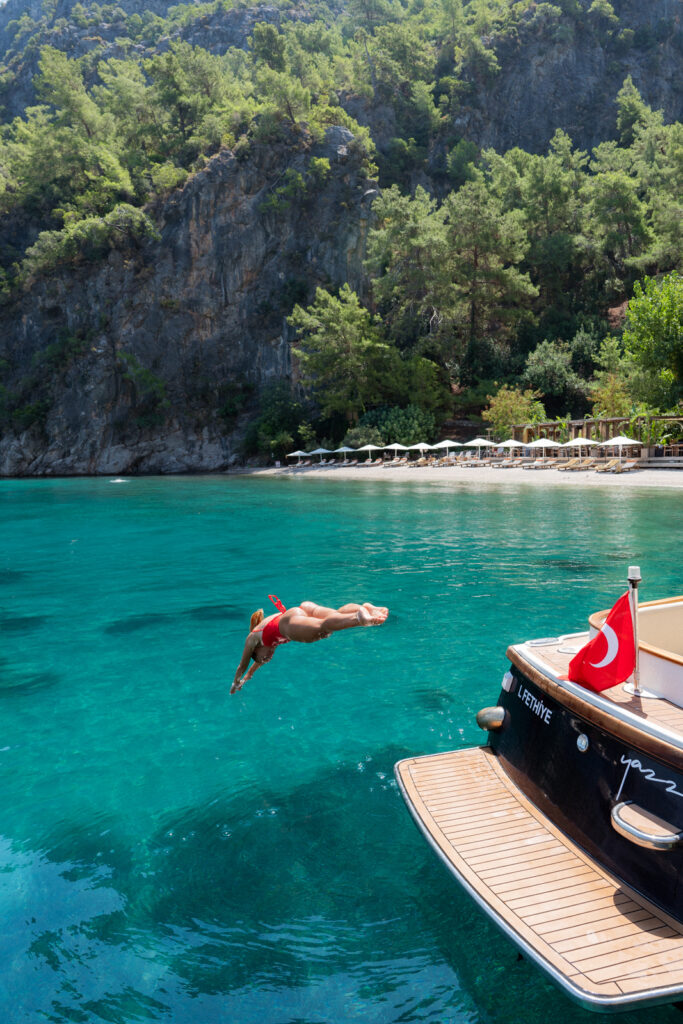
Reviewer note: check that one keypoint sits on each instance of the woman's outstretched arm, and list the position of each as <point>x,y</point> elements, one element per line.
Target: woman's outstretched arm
<point>249,648</point>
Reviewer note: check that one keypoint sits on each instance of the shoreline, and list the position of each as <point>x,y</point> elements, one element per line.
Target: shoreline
<point>456,476</point>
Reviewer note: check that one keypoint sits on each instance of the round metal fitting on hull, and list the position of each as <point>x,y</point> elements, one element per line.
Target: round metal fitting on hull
<point>491,718</point>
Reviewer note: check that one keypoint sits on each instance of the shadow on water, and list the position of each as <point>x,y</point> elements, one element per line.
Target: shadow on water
<point>289,890</point>
<point>21,623</point>
<point>18,682</point>
<point>434,699</point>
<point>211,612</point>
<point>135,623</point>
<point>8,577</point>
<point>200,613</point>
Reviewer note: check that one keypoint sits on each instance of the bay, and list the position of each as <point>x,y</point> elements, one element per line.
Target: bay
<point>169,852</point>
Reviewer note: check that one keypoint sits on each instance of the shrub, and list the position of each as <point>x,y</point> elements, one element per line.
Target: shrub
<point>362,435</point>
<point>87,239</point>
<point>407,426</point>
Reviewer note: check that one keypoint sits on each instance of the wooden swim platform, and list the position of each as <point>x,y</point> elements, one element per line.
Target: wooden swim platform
<point>603,943</point>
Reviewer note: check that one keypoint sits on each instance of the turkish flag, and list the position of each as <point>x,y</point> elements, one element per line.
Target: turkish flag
<point>610,657</point>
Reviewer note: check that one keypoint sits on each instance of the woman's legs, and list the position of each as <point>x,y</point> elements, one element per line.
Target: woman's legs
<point>318,611</point>
<point>310,622</point>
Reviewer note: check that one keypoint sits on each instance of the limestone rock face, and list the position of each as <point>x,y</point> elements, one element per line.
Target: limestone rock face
<point>570,79</point>
<point>164,338</point>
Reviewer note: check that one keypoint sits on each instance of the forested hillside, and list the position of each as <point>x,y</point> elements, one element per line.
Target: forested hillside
<point>230,229</point>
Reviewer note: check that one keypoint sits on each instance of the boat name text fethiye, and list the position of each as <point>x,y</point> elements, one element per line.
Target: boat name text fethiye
<point>536,705</point>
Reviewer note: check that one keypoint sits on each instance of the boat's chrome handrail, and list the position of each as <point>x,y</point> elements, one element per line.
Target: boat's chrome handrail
<point>649,840</point>
<point>617,711</point>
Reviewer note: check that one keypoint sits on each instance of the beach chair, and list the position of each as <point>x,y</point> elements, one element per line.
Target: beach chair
<point>608,467</point>
<point>538,464</point>
<point>626,467</point>
<point>572,464</point>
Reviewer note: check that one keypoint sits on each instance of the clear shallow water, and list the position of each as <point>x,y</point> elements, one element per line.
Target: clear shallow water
<point>170,853</point>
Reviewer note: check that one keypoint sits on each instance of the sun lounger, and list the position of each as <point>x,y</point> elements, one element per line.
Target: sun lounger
<point>608,467</point>
<point>626,467</point>
<point>583,464</point>
<point>572,464</point>
<point>539,464</point>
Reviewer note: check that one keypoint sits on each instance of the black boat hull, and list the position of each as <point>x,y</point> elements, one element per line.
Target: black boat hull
<point>540,748</point>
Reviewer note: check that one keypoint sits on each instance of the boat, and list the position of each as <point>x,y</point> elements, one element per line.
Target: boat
<point>566,826</point>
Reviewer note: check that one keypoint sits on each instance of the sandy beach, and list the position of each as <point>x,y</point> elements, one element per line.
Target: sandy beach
<point>485,476</point>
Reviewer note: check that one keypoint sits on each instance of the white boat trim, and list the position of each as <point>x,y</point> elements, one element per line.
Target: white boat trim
<point>610,707</point>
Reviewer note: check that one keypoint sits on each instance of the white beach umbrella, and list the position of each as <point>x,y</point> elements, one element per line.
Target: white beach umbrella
<point>579,442</point>
<point>510,443</point>
<point>420,447</point>
<point>447,444</point>
<point>544,442</point>
<point>621,441</point>
<point>479,442</point>
<point>395,447</point>
<point>320,452</point>
<point>290,455</point>
<point>344,448</point>
<point>369,448</point>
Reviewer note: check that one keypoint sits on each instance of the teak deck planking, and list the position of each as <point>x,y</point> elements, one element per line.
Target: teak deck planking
<point>606,941</point>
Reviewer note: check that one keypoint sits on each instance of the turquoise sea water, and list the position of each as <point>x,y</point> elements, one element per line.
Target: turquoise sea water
<point>170,853</point>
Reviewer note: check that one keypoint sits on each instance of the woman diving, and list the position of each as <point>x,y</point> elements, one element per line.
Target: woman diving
<point>304,623</point>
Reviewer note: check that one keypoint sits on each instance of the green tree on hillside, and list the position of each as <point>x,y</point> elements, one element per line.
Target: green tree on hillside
<point>484,291</point>
<point>610,390</point>
<point>654,329</point>
<point>511,405</point>
<point>549,371</point>
<point>403,250</point>
<point>344,361</point>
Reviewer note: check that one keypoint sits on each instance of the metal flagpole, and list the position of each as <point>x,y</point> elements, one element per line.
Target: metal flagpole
<point>634,579</point>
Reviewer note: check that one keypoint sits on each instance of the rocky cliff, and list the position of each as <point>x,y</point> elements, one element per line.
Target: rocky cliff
<point>555,71</point>
<point>568,77</point>
<point>142,363</point>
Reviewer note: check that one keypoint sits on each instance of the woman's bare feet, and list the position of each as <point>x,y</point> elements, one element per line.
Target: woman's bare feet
<point>370,615</point>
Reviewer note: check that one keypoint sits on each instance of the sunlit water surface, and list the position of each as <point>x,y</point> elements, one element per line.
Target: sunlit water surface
<point>171,853</point>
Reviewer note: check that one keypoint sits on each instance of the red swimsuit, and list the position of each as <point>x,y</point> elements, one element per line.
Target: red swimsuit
<point>271,635</point>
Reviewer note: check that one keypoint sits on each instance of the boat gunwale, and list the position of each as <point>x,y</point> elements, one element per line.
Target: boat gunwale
<point>597,619</point>
<point>649,737</point>
<point>590,1001</point>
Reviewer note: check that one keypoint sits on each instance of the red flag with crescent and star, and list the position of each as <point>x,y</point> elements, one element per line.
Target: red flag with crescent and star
<point>610,657</point>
